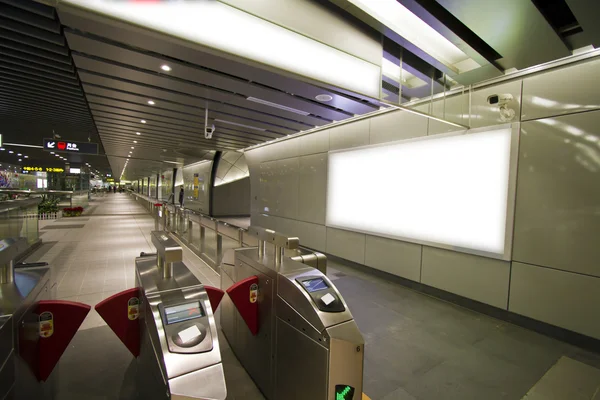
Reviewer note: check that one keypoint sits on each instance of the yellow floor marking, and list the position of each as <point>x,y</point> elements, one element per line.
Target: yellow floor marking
<point>365,397</point>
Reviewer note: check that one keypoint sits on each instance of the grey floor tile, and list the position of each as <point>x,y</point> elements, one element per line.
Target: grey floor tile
<point>399,394</point>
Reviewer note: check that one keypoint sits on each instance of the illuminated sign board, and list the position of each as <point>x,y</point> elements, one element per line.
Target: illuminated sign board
<point>43,169</point>
<point>70,147</point>
<point>74,170</point>
<point>110,180</point>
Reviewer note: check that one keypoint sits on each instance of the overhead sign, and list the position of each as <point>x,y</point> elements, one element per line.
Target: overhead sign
<point>70,147</point>
<point>43,169</point>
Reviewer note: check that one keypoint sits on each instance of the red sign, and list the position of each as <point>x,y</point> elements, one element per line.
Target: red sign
<point>61,145</point>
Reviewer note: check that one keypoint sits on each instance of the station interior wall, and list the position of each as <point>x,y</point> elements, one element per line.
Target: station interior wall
<point>554,274</point>
<point>232,199</point>
<point>196,201</point>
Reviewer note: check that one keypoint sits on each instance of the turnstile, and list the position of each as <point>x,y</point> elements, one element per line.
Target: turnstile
<point>288,324</point>
<point>179,355</point>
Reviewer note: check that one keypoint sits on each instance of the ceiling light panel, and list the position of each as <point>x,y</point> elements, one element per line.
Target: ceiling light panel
<point>241,125</point>
<point>279,106</point>
<point>225,28</point>
<point>413,29</point>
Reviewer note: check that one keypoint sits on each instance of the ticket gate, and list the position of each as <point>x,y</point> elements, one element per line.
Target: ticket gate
<point>167,322</point>
<point>288,325</point>
<point>35,330</point>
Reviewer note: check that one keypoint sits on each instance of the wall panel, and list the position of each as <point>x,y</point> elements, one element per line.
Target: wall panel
<point>395,257</point>
<point>346,244</point>
<point>478,278</point>
<point>354,134</point>
<point>557,223</point>
<point>556,297</point>
<point>312,187</point>
<point>397,125</point>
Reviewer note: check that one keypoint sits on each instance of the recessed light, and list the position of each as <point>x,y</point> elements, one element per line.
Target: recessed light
<point>132,147</point>
<point>324,97</point>
<point>19,154</point>
<point>150,102</point>
<point>135,141</point>
<point>11,152</point>
<point>20,159</point>
<point>165,67</point>
<point>137,133</point>
<point>143,121</point>
<point>128,156</point>
<point>51,152</point>
<point>2,148</point>
<point>25,156</point>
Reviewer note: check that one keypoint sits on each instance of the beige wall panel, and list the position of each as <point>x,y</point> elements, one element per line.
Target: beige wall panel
<point>312,188</point>
<point>354,134</point>
<point>346,244</point>
<point>397,125</point>
<point>395,257</point>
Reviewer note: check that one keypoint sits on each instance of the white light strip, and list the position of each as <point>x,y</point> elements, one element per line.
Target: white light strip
<point>242,125</point>
<point>268,103</point>
<point>225,28</point>
<point>406,24</point>
<point>23,145</point>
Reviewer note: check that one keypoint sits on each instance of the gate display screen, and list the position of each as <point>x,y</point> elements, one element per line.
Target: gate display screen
<point>314,285</point>
<point>344,392</point>
<point>183,312</point>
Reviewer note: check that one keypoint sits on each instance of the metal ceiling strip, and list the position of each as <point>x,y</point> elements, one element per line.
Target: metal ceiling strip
<point>32,31</point>
<point>33,7</point>
<point>115,84</point>
<point>15,81</point>
<point>34,77</point>
<point>144,150</point>
<point>127,137</point>
<point>43,113</point>
<point>33,42</point>
<point>49,70</point>
<point>191,73</point>
<point>29,18</point>
<point>106,96</point>
<point>135,123</point>
<point>32,104</point>
<point>233,135</point>
<point>18,46</point>
<point>587,13</point>
<point>181,138</point>
<point>35,59</point>
<point>156,79</point>
<point>162,46</point>
<point>198,124</point>
<point>189,113</point>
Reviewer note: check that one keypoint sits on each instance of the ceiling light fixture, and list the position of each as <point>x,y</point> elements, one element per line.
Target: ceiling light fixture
<point>20,159</point>
<point>19,154</point>
<point>151,102</point>
<point>132,147</point>
<point>25,156</point>
<point>268,103</point>
<point>143,121</point>
<point>413,29</point>
<point>137,133</point>
<point>50,152</point>
<point>165,67</point>
<point>11,152</point>
<point>242,125</point>
<point>135,141</point>
<point>323,97</point>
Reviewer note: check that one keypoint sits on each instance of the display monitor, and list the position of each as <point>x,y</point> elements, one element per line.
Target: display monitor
<point>183,312</point>
<point>314,285</point>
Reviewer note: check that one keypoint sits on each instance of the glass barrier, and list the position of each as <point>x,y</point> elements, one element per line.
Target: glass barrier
<point>19,218</point>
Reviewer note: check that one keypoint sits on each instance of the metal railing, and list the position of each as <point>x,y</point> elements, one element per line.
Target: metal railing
<point>68,198</point>
<point>210,238</point>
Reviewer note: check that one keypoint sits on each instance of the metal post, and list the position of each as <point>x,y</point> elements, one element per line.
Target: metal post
<point>168,270</point>
<point>190,227</point>
<point>164,217</point>
<point>7,272</point>
<point>202,237</point>
<point>157,209</point>
<point>261,248</point>
<point>278,255</point>
<point>241,237</point>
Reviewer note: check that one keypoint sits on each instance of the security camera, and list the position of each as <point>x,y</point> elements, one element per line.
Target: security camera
<point>502,101</point>
<point>208,131</point>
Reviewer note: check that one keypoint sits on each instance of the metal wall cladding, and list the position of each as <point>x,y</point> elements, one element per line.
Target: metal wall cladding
<point>562,91</point>
<point>166,184</point>
<point>556,218</point>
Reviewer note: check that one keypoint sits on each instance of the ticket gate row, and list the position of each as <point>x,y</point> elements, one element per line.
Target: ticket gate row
<point>285,321</point>
<point>35,329</point>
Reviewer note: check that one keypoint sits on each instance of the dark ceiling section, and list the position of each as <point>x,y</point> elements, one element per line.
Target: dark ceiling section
<point>121,71</point>
<point>39,89</point>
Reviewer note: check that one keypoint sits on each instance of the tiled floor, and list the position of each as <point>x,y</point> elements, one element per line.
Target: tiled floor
<point>417,347</point>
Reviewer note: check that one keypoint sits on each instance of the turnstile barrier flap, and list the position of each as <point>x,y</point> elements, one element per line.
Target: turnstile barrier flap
<point>244,295</point>
<point>215,296</point>
<point>121,313</point>
<point>42,346</point>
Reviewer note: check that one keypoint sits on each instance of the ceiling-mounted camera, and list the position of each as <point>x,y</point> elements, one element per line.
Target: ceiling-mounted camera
<point>502,101</point>
<point>208,131</point>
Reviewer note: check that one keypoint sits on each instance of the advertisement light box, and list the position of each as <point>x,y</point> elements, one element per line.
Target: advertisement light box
<point>453,191</point>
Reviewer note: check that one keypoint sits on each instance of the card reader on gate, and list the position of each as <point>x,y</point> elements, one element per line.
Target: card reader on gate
<point>324,296</point>
<point>186,327</point>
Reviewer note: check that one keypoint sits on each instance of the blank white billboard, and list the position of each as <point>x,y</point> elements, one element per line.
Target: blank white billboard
<point>449,191</point>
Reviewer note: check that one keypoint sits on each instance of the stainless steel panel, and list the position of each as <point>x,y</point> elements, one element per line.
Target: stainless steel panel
<point>346,362</point>
<point>556,297</point>
<point>205,384</point>
<point>556,219</point>
<point>180,364</point>
<point>291,317</point>
<point>299,299</point>
<point>149,277</point>
<point>167,248</point>
<point>301,365</point>
<point>562,91</point>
